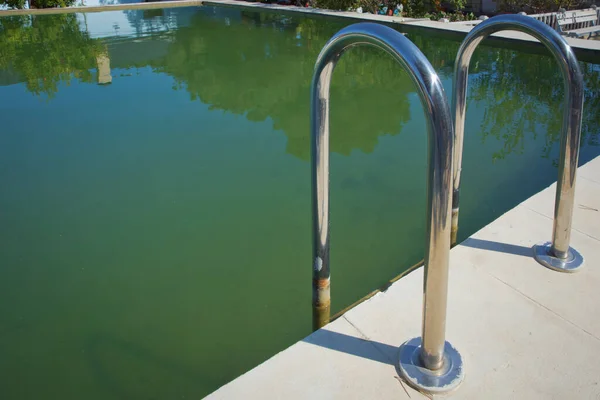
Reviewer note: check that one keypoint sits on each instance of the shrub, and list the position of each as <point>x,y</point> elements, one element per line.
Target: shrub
<point>371,6</point>
<point>434,9</point>
<point>541,6</point>
<point>453,17</point>
<point>335,4</point>
<point>37,3</point>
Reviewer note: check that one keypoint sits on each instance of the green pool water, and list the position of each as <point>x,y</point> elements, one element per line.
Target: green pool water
<point>155,230</point>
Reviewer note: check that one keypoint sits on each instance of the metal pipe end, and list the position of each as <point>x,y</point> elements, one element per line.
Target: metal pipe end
<point>454,228</point>
<point>321,303</point>
<point>321,316</point>
<point>544,255</point>
<point>441,381</point>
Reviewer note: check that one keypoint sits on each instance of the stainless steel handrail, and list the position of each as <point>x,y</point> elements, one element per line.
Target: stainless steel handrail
<point>556,255</point>
<point>442,363</point>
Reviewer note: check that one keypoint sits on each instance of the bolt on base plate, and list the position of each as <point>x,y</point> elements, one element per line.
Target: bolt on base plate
<point>543,254</point>
<point>444,380</point>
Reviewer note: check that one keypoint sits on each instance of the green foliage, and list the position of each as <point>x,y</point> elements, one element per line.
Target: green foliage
<point>411,8</point>
<point>13,3</point>
<point>368,6</point>
<point>452,16</point>
<point>435,9</point>
<point>50,3</point>
<point>45,50</point>
<point>540,6</point>
<point>373,6</point>
<point>458,5</point>
<point>37,3</point>
<point>417,8</point>
<point>336,4</point>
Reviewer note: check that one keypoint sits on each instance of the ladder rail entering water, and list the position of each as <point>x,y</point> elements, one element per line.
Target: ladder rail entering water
<point>557,254</point>
<point>428,363</point>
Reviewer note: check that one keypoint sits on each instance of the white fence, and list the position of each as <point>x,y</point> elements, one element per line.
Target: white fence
<point>550,19</point>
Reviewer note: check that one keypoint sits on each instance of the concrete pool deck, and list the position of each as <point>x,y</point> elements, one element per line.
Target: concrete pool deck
<point>524,331</point>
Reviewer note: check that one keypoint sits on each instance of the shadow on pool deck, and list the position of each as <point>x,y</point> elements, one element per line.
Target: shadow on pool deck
<point>381,352</point>
<point>499,247</point>
<point>355,346</point>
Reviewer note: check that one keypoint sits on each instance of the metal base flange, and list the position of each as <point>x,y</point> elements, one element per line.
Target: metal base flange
<point>444,380</point>
<point>543,254</point>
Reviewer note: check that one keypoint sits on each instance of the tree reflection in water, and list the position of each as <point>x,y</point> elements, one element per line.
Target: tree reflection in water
<point>47,50</point>
<point>260,65</point>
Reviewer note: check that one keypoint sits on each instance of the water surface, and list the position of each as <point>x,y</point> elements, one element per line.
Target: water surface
<point>155,214</point>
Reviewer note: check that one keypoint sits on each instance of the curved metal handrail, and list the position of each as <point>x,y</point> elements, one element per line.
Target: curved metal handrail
<point>557,255</point>
<point>433,350</point>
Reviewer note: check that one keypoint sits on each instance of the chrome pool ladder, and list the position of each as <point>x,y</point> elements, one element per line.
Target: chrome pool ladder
<point>557,254</point>
<point>429,362</point>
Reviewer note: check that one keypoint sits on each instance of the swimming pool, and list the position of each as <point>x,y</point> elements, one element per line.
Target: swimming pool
<point>155,215</point>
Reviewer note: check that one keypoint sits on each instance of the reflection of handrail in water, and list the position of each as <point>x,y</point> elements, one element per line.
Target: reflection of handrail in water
<point>442,364</point>
<point>557,255</point>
